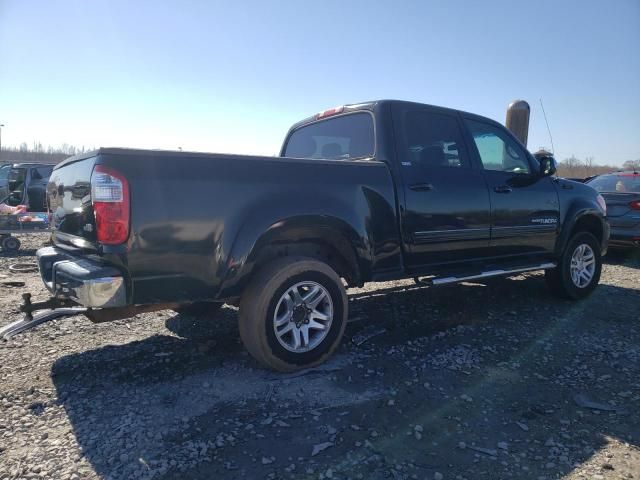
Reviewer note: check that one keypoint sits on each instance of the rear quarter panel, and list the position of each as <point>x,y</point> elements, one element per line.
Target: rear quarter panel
<point>196,219</point>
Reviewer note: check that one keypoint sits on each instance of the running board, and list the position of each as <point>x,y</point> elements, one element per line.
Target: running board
<point>491,273</point>
<point>28,322</point>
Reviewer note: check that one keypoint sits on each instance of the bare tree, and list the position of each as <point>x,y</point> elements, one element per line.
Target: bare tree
<point>38,153</point>
<point>573,167</point>
<point>632,165</point>
<point>588,162</point>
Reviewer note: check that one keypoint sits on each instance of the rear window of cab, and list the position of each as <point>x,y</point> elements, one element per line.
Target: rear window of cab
<point>344,137</point>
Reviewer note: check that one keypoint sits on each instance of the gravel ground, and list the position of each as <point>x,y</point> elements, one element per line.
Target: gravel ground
<point>481,380</point>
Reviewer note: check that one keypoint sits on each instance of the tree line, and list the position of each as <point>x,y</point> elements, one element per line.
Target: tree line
<point>39,153</point>
<point>571,167</point>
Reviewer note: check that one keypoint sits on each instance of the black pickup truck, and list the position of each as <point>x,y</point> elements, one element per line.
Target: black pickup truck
<point>360,193</point>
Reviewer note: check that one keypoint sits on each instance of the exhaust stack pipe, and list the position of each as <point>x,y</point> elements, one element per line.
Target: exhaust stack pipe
<point>518,120</point>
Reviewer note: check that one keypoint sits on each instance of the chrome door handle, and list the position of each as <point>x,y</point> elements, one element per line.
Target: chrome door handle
<point>503,189</point>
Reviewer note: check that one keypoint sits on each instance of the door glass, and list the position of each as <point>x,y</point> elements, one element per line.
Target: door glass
<point>498,151</point>
<point>432,140</point>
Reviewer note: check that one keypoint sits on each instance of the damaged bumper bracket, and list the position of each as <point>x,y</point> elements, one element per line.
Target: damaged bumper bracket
<point>53,308</point>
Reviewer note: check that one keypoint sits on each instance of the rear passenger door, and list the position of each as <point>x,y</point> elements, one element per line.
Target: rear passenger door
<point>445,216</point>
<point>524,206</point>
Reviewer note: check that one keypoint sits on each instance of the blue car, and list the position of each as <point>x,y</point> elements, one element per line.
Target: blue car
<point>621,191</point>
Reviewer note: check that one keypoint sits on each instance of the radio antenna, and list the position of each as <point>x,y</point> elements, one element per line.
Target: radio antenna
<point>553,150</point>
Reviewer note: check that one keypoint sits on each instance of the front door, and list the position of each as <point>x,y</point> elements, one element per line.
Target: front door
<point>525,209</point>
<point>445,216</point>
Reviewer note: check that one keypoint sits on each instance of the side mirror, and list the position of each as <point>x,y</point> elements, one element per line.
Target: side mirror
<point>548,165</point>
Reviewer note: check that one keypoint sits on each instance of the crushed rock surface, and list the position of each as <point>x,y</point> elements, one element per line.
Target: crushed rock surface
<point>479,380</point>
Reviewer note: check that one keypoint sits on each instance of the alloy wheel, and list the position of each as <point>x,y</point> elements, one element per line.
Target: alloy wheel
<point>303,316</point>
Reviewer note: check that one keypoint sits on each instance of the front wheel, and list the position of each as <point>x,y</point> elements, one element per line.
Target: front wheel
<point>579,268</point>
<point>293,314</point>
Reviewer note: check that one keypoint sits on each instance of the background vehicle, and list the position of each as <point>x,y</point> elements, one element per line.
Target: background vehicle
<point>4,180</point>
<point>621,191</point>
<point>369,192</point>
<point>25,184</point>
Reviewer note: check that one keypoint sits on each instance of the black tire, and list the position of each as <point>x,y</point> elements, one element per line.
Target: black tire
<point>559,279</point>
<point>10,244</point>
<point>258,309</point>
<point>199,309</point>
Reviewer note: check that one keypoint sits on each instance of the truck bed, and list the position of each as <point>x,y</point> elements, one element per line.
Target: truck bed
<point>196,217</point>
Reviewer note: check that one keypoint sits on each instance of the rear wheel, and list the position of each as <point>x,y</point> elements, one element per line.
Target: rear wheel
<point>293,314</point>
<point>578,271</point>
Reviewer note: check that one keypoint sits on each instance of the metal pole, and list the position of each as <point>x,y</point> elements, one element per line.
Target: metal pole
<point>1,125</point>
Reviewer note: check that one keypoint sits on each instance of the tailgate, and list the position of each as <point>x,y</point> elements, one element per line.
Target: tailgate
<point>69,196</point>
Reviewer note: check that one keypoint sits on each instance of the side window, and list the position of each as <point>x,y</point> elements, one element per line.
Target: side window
<point>432,140</point>
<point>497,150</point>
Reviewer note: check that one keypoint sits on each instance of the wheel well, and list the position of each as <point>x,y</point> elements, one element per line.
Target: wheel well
<point>588,223</point>
<point>339,258</point>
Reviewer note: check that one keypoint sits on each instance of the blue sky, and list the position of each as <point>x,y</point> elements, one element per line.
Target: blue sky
<point>232,76</point>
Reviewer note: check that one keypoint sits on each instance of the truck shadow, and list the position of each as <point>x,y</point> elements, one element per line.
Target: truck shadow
<point>143,408</point>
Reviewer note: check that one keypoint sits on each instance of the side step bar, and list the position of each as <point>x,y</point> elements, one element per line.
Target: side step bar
<point>28,322</point>
<point>57,308</point>
<point>49,310</point>
<point>491,273</point>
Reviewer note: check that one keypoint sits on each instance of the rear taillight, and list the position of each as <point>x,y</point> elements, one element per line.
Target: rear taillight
<point>635,205</point>
<point>110,197</point>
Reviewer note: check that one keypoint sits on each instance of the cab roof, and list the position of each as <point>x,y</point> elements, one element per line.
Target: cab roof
<point>371,106</point>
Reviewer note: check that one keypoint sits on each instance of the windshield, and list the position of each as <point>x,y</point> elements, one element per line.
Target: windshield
<point>345,137</point>
<point>625,182</point>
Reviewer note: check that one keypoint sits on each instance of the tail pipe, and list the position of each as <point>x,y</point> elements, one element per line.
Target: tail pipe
<point>518,120</point>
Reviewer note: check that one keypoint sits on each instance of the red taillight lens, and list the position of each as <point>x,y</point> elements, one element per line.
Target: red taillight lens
<point>635,205</point>
<point>110,197</point>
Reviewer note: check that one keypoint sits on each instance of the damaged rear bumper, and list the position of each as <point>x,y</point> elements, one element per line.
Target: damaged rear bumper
<point>86,282</point>
<point>79,286</point>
